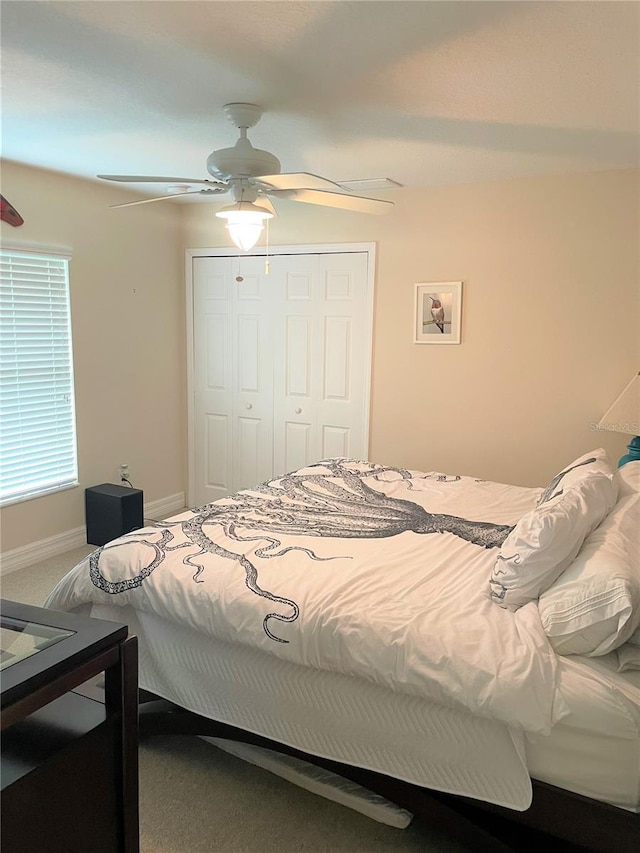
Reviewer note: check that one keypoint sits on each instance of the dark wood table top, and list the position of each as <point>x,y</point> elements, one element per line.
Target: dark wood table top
<point>62,642</point>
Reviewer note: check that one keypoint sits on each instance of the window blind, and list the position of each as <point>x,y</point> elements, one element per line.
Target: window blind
<point>37,405</point>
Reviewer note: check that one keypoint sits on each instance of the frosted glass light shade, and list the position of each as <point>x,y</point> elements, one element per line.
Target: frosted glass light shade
<point>245,234</point>
<point>245,223</point>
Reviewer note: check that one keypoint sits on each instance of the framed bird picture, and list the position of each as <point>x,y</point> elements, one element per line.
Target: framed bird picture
<point>438,312</point>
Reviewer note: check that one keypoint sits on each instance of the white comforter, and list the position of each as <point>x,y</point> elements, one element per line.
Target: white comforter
<point>378,573</point>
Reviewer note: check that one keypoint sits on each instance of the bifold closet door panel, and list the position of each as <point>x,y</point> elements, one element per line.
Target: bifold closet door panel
<point>321,359</point>
<point>281,366</point>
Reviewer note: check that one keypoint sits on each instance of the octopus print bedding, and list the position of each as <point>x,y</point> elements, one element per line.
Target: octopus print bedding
<point>375,572</point>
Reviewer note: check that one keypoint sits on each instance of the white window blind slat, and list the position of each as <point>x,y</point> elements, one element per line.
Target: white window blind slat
<point>37,404</point>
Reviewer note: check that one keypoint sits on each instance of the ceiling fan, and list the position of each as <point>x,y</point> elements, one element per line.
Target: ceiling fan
<point>252,176</point>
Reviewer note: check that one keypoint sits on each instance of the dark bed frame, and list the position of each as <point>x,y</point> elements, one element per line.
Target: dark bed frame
<point>557,820</point>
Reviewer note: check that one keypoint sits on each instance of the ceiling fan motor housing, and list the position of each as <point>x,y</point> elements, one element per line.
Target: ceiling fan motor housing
<point>242,161</point>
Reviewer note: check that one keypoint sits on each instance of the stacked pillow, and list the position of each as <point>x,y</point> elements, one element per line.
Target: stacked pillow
<point>546,540</point>
<point>595,605</point>
<point>629,653</point>
<point>628,478</point>
<point>592,606</point>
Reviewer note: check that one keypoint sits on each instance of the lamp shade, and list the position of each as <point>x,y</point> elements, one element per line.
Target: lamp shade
<point>624,414</point>
<point>245,223</point>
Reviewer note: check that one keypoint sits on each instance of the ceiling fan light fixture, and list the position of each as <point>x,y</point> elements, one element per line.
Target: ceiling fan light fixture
<point>245,223</point>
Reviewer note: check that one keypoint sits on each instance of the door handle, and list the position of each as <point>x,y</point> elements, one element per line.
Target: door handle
<point>298,410</point>
<point>249,406</point>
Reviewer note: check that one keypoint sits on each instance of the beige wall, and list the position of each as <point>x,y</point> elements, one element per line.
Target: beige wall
<point>127,284</point>
<point>551,325</point>
<point>551,318</point>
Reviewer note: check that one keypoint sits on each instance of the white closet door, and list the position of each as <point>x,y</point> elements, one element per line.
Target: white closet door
<point>281,366</point>
<point>252,421</point>
<point>321,358</point>
<point>233,377</point>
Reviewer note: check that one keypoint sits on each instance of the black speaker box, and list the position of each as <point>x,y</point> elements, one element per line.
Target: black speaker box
<point>111,511</point>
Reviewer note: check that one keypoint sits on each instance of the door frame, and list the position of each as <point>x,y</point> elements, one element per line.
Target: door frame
<point>311,249</point>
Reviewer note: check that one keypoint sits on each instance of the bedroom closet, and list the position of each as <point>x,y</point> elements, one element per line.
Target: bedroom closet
<point>279,363</point>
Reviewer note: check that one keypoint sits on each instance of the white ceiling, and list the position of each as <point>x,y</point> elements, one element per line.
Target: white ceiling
<point>422,92</point>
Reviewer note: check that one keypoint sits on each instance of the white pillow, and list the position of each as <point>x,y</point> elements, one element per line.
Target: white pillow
<point>628,657</point>
<point>547,539</point>
<point>594,607</point>
<point>628,478</point>
<point>634,639</point>
<point>629,481</point>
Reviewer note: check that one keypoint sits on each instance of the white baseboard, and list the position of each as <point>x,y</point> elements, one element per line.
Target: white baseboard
<point>165,506</point>
<point>35,552</point>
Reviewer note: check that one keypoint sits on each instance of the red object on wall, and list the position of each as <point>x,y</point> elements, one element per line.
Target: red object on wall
<point>9,214</point>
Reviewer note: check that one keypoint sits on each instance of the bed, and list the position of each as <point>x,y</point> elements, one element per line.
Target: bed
<point>438,638</point>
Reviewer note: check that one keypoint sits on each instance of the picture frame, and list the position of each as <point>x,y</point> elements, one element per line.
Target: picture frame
<point>438,312</point>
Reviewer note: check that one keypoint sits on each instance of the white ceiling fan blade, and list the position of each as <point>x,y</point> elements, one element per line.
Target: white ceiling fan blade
<point>156,179</point>
<point>297,181</point>
<point>266,204</point>
<point>157,198</point>
<point>329,199</point>
<point>370,184</point>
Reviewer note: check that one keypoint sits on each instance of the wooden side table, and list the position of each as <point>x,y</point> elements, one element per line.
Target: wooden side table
<point>69,762</point>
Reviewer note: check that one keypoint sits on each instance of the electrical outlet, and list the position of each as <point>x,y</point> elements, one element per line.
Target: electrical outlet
<point>124,472</point>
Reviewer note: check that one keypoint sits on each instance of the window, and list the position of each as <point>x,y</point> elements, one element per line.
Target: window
<point>38,451</point>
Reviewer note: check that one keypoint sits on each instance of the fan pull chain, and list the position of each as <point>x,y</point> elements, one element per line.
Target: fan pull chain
<point>238,276</point>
